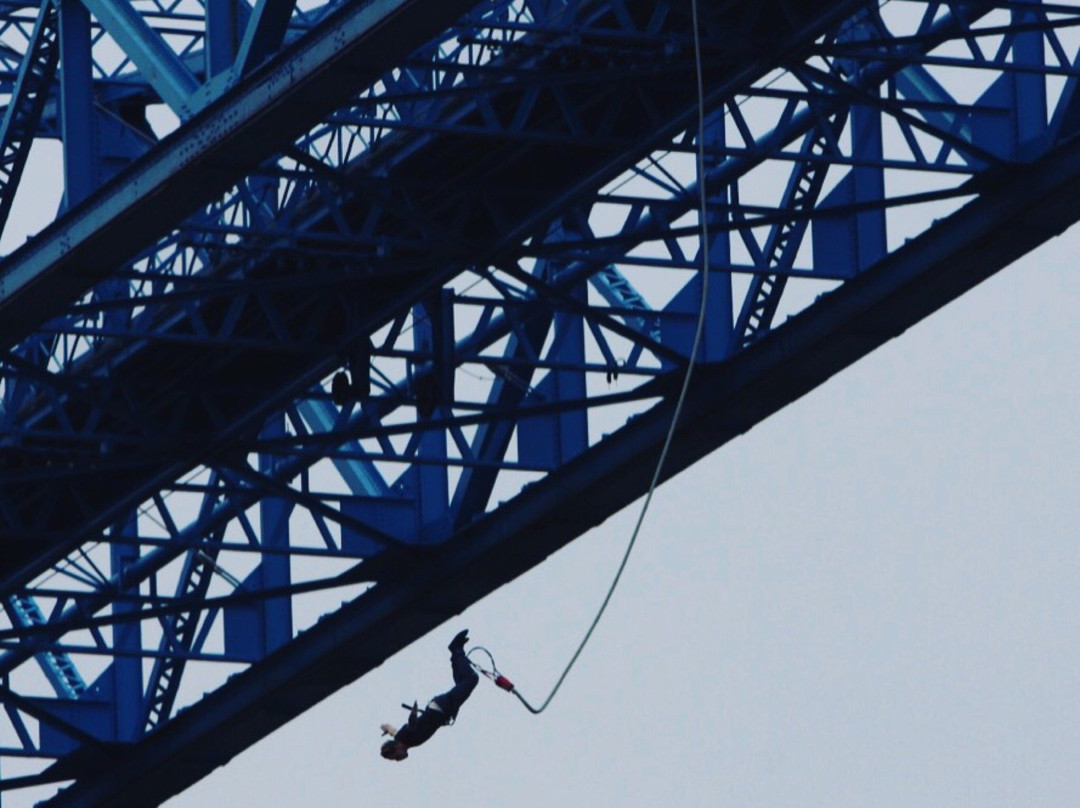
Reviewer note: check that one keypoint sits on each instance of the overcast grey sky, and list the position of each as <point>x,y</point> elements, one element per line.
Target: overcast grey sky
<point>870,599</point>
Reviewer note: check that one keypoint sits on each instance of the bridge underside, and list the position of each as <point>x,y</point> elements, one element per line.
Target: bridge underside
<point>402,302</point>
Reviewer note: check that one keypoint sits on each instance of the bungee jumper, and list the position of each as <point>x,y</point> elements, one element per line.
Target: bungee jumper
<point>440,711</point>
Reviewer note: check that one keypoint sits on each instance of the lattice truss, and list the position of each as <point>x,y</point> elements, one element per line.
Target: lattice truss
<point>372,341</point>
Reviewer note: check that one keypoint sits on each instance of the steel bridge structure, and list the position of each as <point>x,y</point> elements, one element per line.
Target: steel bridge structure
<point>342,315</point>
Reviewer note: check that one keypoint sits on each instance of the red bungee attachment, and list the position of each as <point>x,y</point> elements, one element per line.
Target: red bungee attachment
<point>500,681</point>
<point>493,674</point>
<point>497,678</point>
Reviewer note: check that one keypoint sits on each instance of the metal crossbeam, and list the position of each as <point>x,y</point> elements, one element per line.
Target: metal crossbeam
<point>157,62</point>
<point>56,664</point>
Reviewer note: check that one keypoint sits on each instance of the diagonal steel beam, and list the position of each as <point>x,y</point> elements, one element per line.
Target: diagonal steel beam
<point>782,245</point>
<point>57,666</point>
<point>179,630</point>
<point>157,62</point>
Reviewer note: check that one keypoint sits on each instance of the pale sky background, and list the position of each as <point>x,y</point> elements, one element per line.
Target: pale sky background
<point>870,599</point>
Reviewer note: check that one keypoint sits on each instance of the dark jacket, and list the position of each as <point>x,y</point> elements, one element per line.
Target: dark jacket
<point>421,726</point>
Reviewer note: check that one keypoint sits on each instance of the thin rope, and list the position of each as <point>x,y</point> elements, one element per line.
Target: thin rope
<point>699,331</point>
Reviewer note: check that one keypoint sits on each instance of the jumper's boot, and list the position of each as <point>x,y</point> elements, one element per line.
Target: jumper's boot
<point>459,640</point>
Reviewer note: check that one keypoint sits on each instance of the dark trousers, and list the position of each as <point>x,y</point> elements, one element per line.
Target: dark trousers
<point>465,680</point>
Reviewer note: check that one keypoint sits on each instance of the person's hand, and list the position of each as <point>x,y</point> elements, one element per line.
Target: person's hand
<point>388,729</point>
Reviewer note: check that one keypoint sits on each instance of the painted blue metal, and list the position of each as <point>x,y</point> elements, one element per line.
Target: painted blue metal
<point>127,665</point>
<point>264,33</point>
<point>222,37</point>
<point>157,63</point>
<point>23,611</point>
<point>81,169</point>
<point>388,306</point>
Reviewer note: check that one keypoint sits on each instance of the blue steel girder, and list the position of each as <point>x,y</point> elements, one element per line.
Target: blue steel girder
<point>263,34</point>
<point>156,61</point>
<point>485,355</point>
<point>56,665</point>
<point>785,238</point>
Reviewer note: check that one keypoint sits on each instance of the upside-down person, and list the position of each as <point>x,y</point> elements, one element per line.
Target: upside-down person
<point>440,711</point>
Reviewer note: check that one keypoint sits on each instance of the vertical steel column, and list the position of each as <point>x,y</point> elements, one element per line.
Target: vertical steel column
<point>77,103</point>
<point>127,676</point>
<point>718,338</point>
<point>867,184</point>
<point>1029,83</point>
<point>718,341</point>
<point>431,482</point>
<point>571,427</point>
<point>848,244</point>
<point>221,35</point>
<point>274,569</point>
<point>548,441</point>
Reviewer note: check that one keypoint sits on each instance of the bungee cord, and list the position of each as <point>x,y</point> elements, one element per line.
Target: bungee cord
<point>498,678</point>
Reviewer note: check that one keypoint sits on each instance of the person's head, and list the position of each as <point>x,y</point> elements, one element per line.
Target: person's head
<point>394,750</point>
